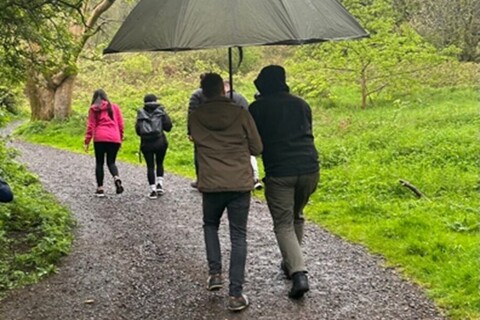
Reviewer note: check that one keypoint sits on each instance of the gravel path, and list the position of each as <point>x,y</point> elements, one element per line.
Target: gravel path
<point>135,258</point>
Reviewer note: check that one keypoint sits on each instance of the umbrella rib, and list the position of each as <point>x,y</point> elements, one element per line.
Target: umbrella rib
<point>290,21</point>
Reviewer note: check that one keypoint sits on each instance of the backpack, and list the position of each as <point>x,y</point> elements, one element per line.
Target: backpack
<point>149,125</point>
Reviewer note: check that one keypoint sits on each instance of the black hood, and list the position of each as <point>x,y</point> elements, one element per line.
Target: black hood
<point>150,106</point>
<point>271,79</point>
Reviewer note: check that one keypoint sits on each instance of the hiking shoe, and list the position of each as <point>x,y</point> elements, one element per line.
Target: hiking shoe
<point>257,185</point>
<point>284,268</point>
<point>99,194</point>
<point>299,286</point>
<point>118,186</point>
<point>152,195</point>
<point>194,184</point>
<point>237,303</point>
<point>214,282</point>
<point>160,190</point>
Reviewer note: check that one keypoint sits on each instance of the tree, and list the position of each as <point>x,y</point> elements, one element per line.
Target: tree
<point>386,61</point>
<point>49,37</point>
<point>445,23</point>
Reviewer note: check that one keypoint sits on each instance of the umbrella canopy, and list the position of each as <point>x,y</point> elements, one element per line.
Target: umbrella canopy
<point>175,25</point>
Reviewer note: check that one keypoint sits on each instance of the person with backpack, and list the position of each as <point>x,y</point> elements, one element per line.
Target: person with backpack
<point>152,121</point>
<point>105,126</point>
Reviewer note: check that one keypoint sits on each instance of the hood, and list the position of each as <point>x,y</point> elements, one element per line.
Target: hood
<point>218,113</point>
<point>151,106</point>
<point>103,106</point>
<point>271,79</point>
<point>149,111</point>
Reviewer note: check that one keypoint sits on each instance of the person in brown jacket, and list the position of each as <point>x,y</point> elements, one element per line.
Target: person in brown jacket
<point>225,136</point>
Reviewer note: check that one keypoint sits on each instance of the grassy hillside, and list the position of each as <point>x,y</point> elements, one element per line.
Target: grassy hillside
<point>430,140</point>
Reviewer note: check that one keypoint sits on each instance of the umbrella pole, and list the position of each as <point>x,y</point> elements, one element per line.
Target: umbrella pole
<point>230,71</point>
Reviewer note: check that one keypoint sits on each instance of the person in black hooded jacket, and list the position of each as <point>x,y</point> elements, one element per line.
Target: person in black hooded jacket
<point>284,122</point>
<point>154,146</point>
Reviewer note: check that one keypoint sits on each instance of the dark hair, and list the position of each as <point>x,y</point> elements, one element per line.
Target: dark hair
<point>99,96</point>
<point>212,85</point>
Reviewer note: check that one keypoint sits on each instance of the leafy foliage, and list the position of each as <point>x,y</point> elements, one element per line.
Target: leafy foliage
<point>35,231</point>
<point>387,62</point>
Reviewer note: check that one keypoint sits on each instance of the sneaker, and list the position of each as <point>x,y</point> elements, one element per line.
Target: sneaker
<point>299,285</point>
<point>214,282</point>
<point>160,190</point>
<point>100,193</point>
<point>194,184</point>
<point>284,268</point>
<point>118,185</point>
<point>152,195</point>
<point>237,303</point>
<point>257,185</point>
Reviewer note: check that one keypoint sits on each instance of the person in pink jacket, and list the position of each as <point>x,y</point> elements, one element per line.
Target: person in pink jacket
<point>105,126</point>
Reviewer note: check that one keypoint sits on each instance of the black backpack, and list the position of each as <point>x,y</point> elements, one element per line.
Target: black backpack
<point>149,124</point>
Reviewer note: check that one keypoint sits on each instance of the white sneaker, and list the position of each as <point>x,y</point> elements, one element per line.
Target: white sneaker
<point>160,190</point>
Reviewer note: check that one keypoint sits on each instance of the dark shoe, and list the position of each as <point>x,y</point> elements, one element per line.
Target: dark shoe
<point>118,185</point>
<point>214,282</point>
<point>99,193</point>
<point>237,303</point>
<point>194,184</point>
<point>153,195</point>
<point>257,185</point>
<point>284,268</point>
<point>299,286</point>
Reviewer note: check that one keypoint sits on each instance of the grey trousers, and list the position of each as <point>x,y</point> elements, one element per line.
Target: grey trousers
<point>286,199</point>
<point>237,205</point>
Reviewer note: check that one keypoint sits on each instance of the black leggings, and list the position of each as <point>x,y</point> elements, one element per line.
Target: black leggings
<point>111,150</point>
<point>155,157</point>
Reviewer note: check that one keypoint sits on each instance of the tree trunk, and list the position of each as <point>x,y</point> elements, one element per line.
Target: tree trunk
<point>62,105</point>
<point>363,84</point>
<point>47,102</point>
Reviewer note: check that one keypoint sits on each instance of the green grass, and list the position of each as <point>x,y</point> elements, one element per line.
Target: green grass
<point>430,141</point>
<point>35,231</point>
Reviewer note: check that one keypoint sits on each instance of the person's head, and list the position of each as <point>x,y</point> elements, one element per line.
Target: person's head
<point>271,79</point>
<point>98,97</point>
<point>212,85</point>
<point>226,86</point>
<point>150,99</point>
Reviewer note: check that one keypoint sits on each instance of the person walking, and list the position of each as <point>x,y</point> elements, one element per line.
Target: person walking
<point>290,158</point>
<point>241,101</point>
<point>105,126</point>
<point>225,136</point>
<point>196,99</point>
<point>152,121</point>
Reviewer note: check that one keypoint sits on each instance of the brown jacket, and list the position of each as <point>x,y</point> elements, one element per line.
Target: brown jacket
<point>225,136</point>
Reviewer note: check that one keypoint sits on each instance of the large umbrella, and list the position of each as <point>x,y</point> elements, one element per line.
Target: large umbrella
<point>176,25</point>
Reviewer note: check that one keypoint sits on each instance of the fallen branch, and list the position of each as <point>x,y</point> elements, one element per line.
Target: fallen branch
<point>414,189</point>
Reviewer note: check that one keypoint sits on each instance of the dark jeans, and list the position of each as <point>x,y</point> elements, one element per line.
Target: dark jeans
<point>286,199</point>
<point>110,149</point>
<point>153,158</point>
<point>237,205</point>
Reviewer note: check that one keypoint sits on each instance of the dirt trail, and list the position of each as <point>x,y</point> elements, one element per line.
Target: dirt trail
<point>135,258</point>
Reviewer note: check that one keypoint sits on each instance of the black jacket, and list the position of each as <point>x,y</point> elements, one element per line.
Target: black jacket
<point>6,194</point>
<point>155,144</point>
<point>284,122</point>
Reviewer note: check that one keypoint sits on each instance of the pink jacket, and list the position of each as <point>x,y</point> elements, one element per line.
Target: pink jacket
<point>101,128</point>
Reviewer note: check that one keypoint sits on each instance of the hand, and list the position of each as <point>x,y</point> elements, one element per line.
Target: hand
<point>85,147</point>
